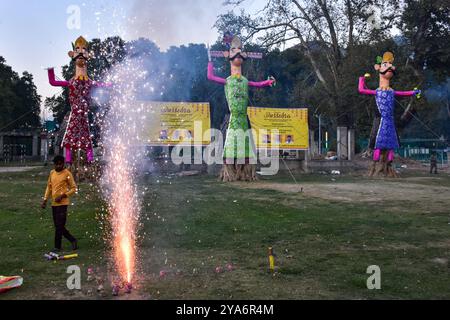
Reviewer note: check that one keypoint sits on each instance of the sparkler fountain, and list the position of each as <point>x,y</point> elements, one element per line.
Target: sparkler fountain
<point>121,140</point>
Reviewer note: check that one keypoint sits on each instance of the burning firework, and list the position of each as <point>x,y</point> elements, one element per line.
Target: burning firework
<point>124,209</point>
<point>121,130</point>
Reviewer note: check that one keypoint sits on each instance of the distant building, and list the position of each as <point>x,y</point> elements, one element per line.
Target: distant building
<point>23,145</point>
<point>20,145</point>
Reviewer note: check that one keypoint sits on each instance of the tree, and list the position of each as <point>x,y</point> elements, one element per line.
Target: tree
<point>19,101</point>
<point>9,101</point>
<point>30,102</point>
<point>426,36</point>
<point>426,27</point>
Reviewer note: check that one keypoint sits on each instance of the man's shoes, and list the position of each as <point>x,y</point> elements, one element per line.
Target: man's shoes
<point>75,245</point>
<point>56,250</point>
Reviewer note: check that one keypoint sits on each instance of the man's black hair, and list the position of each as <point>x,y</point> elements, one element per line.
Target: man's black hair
<point>58,159</point>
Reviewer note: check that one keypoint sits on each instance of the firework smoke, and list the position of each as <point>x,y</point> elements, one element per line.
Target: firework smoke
<point>174,22</point>
<point>123,155</point>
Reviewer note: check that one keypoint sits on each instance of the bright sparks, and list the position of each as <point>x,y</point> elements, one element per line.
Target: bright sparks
<point>123,207</point>
<point>123,155</point>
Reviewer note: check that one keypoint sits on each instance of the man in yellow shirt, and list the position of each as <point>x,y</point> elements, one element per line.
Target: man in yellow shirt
<point>60,187</point>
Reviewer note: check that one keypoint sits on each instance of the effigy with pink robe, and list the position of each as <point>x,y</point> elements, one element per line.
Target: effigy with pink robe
<point>77,135</point>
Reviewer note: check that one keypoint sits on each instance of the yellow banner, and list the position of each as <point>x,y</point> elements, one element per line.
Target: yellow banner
<point>177,123</point>
<point>291,124</point>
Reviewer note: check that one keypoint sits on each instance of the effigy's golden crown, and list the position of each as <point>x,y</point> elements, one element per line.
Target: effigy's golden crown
<point>81,43</point>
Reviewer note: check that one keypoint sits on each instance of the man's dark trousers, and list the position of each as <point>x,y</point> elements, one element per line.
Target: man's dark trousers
<point>433,167</point>
<point>59,219</point>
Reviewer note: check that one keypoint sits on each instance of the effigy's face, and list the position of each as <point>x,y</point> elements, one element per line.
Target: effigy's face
<point>237,57</point>
<point>80,55</point>
<point>237,62</point>
<point>386,70</point>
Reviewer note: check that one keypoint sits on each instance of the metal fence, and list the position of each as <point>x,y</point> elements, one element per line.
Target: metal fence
<point>419,149</point>
<point>14,152</point>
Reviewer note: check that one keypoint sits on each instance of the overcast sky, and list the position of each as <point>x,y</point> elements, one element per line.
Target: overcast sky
<point>36,34</point>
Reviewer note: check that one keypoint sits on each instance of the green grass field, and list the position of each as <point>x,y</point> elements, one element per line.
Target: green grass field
<point>324,238</point>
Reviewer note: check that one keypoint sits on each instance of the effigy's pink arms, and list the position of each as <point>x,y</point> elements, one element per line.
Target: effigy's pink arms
<point>102,84</point>
<point>362,87</point>
<point>405,93</point>
<point>261,84</point>
<point>52,80</point>
<point>213,77</point>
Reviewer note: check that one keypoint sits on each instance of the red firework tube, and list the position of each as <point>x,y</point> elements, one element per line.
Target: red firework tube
<point>115,290</point>
<point>128,287</point>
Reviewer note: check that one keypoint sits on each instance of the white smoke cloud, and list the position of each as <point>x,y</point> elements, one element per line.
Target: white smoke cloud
<point>175,22</point>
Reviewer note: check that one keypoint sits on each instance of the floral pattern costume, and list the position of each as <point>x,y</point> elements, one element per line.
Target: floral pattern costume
<point>236,91</point>
<point>77,133</point>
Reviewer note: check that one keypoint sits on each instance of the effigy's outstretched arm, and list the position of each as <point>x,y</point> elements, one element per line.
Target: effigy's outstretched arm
<point>261,84</point>
<point>408,93</point>
<point>362,87</point>
<point>106,85</point>
<point>52,80</point>
<point>212,76</point>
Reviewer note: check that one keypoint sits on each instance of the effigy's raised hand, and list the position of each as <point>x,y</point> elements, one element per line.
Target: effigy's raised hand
<point>418,93</point>
<point>272,81</point>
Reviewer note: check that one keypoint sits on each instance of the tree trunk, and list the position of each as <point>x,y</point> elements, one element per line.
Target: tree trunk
<point>238,172</point>
<point>382,168</point>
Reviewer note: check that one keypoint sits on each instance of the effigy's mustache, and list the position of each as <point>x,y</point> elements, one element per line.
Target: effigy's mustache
<point>80,56</point>
<point>387,70</point>
<point>238,55</point>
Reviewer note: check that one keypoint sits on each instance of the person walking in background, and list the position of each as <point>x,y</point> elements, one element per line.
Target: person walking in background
<point>60,187</point>
<point>433,163</point>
